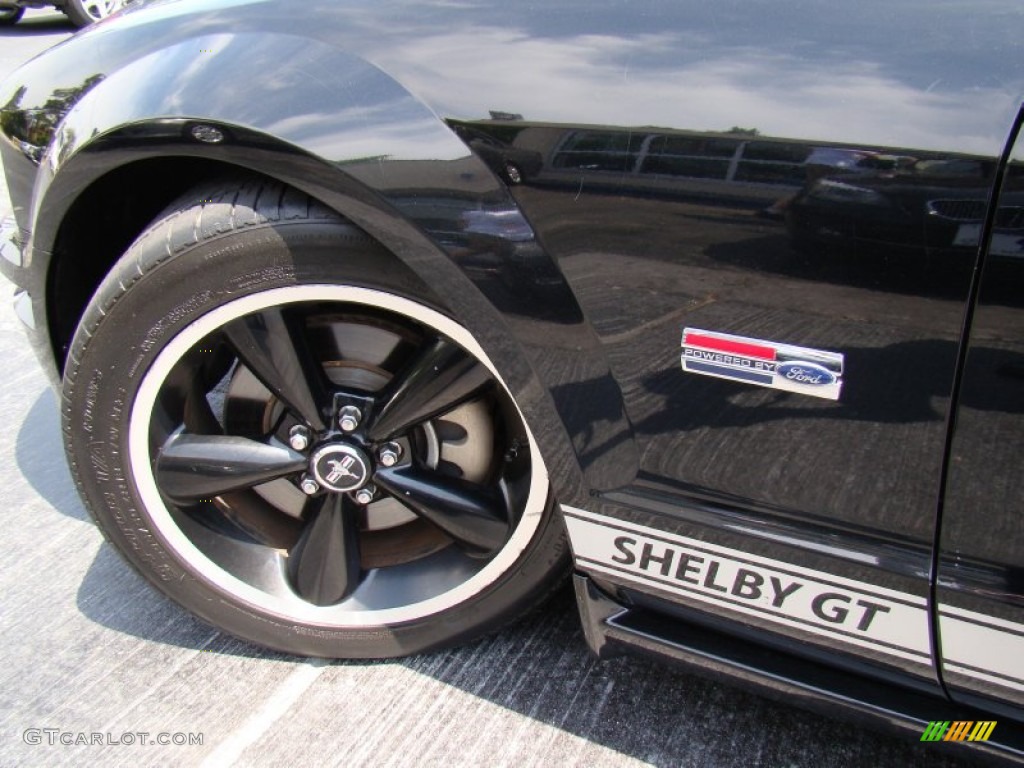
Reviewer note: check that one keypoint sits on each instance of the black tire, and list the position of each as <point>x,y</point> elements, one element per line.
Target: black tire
<point>10,16</point>
<point>85,12</point>
<point>157,400</point>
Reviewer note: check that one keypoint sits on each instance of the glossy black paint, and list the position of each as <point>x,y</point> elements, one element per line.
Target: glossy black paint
<point>193,467</point>
<point>436,381</point>
<point>273,346</point>
<point>324,563</point>
<point>475,517</point>
<point>982,536</point>
<point>420,192</point>
<point>808,174</point>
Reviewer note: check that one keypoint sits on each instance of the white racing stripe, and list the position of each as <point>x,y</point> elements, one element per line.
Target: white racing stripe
<point>844,610</point>
<point>973,644</point>
<point>982,647</point>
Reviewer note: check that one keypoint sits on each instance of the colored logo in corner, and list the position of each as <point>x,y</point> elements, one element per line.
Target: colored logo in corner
<point>958,730</point>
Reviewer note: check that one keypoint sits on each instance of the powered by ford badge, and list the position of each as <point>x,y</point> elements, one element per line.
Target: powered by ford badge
<point>803,370</point>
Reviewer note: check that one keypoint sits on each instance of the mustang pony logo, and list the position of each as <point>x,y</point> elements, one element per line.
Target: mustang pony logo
<point>341,468</point>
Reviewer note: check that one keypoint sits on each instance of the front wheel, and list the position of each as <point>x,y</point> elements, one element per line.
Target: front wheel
<point>273,423</point>
<point>85,12</point>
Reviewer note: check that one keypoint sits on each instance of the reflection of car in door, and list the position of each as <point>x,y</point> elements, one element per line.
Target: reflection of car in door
<point>513,164</point>
<point>934,205</point>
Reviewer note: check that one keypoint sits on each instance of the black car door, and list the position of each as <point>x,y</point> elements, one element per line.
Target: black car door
<point>779,277</point>
<point>980,591</point>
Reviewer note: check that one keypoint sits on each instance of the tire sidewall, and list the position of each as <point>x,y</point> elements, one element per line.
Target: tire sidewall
<point>126,326</point>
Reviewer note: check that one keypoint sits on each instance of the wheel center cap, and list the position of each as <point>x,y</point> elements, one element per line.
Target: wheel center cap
<point>340,467</point>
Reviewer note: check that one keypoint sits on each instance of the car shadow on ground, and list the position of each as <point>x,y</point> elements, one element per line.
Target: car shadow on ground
<point>40,457</point>
<point>539,667</point>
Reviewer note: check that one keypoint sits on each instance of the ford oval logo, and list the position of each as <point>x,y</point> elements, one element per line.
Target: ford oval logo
<point>811,374</point>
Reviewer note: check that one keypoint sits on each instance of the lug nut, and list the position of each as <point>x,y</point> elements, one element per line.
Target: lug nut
<point>365,495</point>
<point>298,438</point>
<point>309,486</point>
<point>390,454</point>
<point>349,417</point>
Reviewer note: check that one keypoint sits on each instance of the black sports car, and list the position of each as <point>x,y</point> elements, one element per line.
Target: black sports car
<point>740,340</point>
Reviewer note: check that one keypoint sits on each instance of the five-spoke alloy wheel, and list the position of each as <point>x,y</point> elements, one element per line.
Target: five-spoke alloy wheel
<point>295,446</point>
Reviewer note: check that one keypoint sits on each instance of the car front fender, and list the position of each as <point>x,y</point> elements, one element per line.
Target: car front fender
<point>339,128</point>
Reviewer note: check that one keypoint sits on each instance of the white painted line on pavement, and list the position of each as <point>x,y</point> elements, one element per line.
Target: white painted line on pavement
<point>229,750</point>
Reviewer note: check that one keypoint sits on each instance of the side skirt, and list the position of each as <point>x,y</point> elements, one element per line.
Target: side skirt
<point>612,629</point>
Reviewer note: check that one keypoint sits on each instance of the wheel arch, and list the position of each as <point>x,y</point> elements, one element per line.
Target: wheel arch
<point>378,157</point>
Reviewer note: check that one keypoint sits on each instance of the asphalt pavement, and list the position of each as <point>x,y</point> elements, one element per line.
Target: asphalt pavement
<point>97,668</point>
